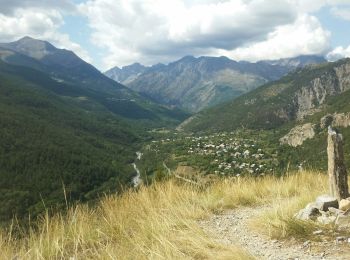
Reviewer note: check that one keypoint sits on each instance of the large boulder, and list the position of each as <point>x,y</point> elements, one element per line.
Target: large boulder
<point>324,202</point>
<point>344,204</point>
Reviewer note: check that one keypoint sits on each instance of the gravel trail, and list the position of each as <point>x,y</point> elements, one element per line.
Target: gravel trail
<point>231,228</point>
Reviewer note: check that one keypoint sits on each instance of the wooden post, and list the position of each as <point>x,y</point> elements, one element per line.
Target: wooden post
<point>338,178</point>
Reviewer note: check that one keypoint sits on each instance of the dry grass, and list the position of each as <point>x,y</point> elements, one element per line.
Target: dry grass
<point>160,222</point>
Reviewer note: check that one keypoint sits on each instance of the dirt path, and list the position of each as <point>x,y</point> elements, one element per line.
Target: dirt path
<point>232,228</point>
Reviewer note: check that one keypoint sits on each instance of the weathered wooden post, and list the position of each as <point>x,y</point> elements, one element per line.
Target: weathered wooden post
<point>338,178</point>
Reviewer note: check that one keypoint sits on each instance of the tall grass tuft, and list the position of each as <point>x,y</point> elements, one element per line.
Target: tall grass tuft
<point>160,221</point>
<point>156,222</point>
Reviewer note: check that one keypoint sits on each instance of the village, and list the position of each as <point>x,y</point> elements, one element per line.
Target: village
<point>220,153</point>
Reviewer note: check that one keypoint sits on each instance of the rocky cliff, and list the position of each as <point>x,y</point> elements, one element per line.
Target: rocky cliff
<point>298,135</point>
<point>313,94</point>
<point>294,97</point>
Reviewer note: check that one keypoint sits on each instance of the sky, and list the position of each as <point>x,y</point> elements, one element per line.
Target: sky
<point>110,33</point>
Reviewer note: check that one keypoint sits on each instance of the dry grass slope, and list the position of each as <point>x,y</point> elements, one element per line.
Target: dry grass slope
<point>160,222</point>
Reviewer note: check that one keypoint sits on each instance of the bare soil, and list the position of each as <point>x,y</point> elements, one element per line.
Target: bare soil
<point>232,228</point>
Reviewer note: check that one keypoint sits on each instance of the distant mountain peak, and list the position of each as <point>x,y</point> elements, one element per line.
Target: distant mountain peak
<point>31,47</point>
<point>26,38</point>
<point>126,73</point>
<point>297,61</point>
<point>44,56</point>
<point>134,66</point>
<point>187,58</point>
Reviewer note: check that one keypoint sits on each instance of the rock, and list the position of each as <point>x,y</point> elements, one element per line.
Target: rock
<point>334,211</point>
<point>306,243</point>
<point>310,212</point>
<point>344,204</point>
<point>317,232</point>
<point>325,220</point>
<point>343,221</point>
<point>298,135</point>
<point>323,202</point>
<point>335,120</point>
<point>325,213</point>
<point>340,239</point>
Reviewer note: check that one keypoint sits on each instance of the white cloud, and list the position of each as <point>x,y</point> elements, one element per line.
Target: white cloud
<point>304,36</point>
<point>339,53</point>
<point>310,6</point>
<point>159,31</point>
<point>152,31</point>
<point>41,22</point>
<point>343,13</point>
<point>9,6</point>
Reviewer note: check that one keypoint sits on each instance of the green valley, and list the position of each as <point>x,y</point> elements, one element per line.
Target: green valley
<point>64,140</point>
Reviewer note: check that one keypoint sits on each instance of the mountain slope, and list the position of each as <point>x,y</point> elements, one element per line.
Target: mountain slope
<point>66,133</point>
<point>64,66</point>
<point>196,83</point>
<point>126,74</point>
<point>62,62</point>
<point>48,140</point>
<point>294,97</point>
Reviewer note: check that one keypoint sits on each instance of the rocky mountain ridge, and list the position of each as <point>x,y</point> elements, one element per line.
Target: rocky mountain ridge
<point>64,66</point>
<point>126,74</point>
<point>197,83</point>
<point>294,97</point>
<point>312,95</point>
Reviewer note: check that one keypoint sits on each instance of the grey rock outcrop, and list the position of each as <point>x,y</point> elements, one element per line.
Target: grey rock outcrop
<point>310,97</point>
<point>319,210</point>
<point>310,212</point>
<point>298,135</point>
<point>335,120</point>
<point>325,211</point>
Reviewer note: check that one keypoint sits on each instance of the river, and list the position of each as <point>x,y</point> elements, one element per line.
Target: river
<point>137,179</point>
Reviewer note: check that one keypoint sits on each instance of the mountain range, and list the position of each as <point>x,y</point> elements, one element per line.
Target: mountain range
<point>67,131</point>
<point>194,84</point>
<point>70,132</point>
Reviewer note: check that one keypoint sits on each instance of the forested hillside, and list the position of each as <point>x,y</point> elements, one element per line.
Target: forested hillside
<point>67,131</point>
